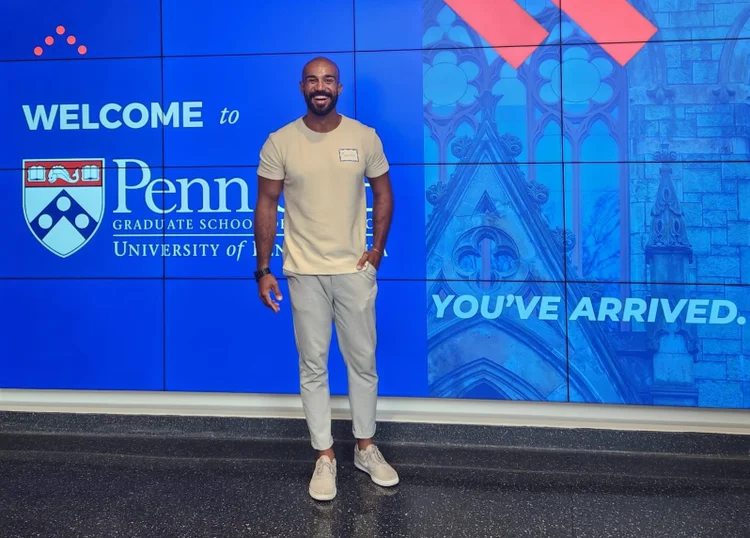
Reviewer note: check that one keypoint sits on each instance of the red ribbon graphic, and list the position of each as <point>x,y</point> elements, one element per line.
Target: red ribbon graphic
<point>512,32</point>
<point>614,24</point>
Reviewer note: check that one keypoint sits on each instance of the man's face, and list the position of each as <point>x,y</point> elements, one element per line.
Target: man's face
<point>321,87</point>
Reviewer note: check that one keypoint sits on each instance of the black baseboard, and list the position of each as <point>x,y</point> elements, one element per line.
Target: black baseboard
<point>500,455</point>
<point>576,439</point>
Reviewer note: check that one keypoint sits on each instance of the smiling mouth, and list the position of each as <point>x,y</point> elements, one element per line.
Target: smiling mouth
<point>321,99</point>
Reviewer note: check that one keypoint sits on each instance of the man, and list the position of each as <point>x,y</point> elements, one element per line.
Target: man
<point>320,160</point>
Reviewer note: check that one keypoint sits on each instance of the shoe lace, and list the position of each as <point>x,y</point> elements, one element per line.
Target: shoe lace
<point>322,466</point>
<point>373,454</point>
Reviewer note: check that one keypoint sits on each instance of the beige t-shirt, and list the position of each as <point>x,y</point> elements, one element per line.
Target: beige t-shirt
<point>325,212</point>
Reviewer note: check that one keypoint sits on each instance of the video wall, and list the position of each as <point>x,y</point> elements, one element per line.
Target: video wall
<point>572,188</point>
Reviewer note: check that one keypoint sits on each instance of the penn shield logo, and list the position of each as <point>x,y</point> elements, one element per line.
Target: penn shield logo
<point>63,202</point>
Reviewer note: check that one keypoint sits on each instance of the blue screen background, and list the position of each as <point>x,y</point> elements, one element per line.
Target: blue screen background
<point>572,179</point>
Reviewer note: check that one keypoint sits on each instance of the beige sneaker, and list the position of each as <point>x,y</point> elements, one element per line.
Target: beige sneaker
<point>323,482</point>
<point>371,461</point>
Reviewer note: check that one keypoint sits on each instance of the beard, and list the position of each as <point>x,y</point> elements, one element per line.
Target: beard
<point>321,110</point>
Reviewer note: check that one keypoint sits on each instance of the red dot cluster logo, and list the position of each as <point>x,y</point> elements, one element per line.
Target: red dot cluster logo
<point>70,40</point>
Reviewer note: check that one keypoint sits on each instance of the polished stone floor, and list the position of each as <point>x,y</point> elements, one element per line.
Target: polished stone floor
<point>76,494</point>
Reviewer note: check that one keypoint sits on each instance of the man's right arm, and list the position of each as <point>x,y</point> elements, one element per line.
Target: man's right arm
<point>269,192</point>
<point>271,174</point>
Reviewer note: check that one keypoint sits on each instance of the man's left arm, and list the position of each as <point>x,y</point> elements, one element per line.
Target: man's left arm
<point>382,213</point>
<point>377,172</point>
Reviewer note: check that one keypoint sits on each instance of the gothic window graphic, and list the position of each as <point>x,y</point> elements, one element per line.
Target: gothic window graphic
<point>490,218</point>
<point>510,112</point>
<point>589,88</point>
<point>486,255</point>
<point>735,61</point>
<point>495,222</point>
<point>465,85</point>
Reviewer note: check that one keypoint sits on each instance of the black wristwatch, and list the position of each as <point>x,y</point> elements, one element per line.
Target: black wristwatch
<point>260,273</point>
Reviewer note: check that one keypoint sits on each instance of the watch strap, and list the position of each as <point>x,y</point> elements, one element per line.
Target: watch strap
<point>260,273</point>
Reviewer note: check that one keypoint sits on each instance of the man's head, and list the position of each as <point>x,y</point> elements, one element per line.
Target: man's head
<point>320,85</point>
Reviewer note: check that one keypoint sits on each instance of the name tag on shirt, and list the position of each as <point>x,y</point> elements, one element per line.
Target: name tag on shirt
<point>347,155</point>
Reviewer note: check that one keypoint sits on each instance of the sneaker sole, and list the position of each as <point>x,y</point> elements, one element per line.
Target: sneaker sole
<point>384,483</point>
<point>322,497</point>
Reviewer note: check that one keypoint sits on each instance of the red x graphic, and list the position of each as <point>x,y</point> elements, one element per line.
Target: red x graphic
<point>616,25</point>
<point>503,24</point>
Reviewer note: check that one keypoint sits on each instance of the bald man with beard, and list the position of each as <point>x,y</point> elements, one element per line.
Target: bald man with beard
<point>320,161</point>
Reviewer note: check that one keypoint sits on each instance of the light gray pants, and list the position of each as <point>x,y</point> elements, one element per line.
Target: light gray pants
<point>348,301</point>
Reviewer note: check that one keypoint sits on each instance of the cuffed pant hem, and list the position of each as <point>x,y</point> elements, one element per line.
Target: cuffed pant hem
<point>320,447</point>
